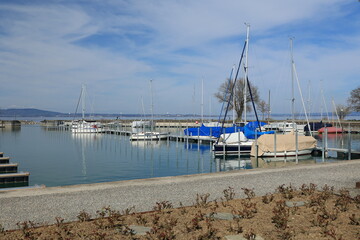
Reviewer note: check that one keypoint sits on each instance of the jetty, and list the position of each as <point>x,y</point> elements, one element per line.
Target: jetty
<point>9,175</point>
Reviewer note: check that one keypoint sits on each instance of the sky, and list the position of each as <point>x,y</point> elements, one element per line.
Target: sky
<point>49,48</point>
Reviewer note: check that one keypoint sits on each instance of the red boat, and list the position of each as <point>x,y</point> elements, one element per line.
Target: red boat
<point>330,130</point>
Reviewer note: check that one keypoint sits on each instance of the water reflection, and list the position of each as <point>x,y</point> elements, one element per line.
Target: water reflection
<point>82,142</point>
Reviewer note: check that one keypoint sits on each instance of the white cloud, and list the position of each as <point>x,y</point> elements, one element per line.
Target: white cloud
<point>115,47</point>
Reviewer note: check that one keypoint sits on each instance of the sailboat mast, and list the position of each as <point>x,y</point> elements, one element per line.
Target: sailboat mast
<point>246,68</point>
<point>269,107</point>
<point>234,96</point>
<point>152,101</point>
<point>202,100</point>
<point>292,84</point>
<point>83,100</point>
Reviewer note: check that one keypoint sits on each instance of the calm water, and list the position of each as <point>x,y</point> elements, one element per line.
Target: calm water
<point>57,158</point>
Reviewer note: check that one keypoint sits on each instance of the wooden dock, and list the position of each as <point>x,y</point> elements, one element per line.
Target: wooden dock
<point>172,137</point>
<point>9,175</point>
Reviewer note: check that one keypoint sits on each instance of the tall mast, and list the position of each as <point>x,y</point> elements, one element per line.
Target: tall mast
<point>202,100</point>
<point>292,84</point>
<point>246,67</point>
<point>269,107</point>
<point>234,96</point>
<point>83,100</point>
<point>309,99</point>
<point>152,101</point>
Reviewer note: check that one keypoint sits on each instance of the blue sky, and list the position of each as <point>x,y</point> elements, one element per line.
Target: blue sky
<point>49,48</point>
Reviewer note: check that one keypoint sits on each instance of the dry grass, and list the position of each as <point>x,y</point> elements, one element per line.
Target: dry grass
<point>315,214</point>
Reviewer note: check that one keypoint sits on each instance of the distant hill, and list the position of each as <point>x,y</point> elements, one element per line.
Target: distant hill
<point>27,112</point>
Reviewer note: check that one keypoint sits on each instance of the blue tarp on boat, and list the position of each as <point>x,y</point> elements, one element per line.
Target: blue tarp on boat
<point>211,131</point>
<point>249,130</point>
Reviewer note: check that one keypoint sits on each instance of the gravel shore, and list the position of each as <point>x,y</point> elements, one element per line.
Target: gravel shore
<point>42,205</point>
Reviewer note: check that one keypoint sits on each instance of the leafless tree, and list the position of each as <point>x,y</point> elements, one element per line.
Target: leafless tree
<point>342,111</point>
<point>263,108</point>
<point>354,100</point>
<point>224,93</point>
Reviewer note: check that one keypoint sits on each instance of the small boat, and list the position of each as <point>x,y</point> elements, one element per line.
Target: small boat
<point>285,146</point>
<point>86,127</point>
<point>142,124</point>
<point>315,126</point>
<point>330,130</point>
<point>284,127</point>
<point>233,144</point>
<point>148,136</point>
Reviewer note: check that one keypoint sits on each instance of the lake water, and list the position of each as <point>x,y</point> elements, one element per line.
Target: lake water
<point>58,158</point>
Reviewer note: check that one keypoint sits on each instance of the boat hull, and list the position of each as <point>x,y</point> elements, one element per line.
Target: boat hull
<point>86,127</point>
<point>330,130</point>
<point>231,149</point>
<point>288,154</point>
<point>148,136</point>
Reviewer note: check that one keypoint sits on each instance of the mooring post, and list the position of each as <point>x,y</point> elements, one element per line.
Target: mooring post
<point>326,142</point>
<point>256,146</point>
<point>210,138</point>
<point>349,143</point>
<point>238,144</point>
<point>223,142</point>
<point>187,136</point>
<point>275,144</point>
<point>296,146</point>
<point>198,139</point>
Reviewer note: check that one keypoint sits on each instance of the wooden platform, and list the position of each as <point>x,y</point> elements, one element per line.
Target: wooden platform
<point>9,175</point>
<point>9,168</point>
<point>4,160</point>
<point>14,178</point>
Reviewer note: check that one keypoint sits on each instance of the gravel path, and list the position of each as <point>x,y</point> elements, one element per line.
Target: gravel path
<point>43,205</point>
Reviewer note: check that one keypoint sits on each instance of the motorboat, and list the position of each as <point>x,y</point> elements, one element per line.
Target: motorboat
<point>148,136</point>
<point>86,127</point>
<point>142,124</point>
<point>285,127</point>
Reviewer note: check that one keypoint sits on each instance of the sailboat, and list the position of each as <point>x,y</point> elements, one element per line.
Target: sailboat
<point>149,135</point>
<point>142,123</point>
<point>287,145</point>
<point>85,126</point>
<point>240,142</point>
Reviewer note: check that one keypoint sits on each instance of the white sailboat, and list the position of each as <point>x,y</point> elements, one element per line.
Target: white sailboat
<point>85,126</point>
<point>149,135</point>
<point>288,145</point>
<point>236,143</point>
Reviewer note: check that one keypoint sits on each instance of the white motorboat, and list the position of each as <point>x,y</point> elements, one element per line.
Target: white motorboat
<point>148,136</point>
<point>142,124</point>
<point>86,127</point>
<point>284,127</point>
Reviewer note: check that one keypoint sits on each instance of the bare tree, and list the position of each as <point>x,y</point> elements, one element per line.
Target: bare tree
<point>354,100</point>
<point>263,108</point>
<point>342,111</point>
<point>224,93</point>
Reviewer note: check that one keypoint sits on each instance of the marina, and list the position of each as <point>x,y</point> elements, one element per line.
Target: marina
<point>57,157</point>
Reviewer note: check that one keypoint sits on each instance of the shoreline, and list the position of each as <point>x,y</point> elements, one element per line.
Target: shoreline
<point>42,205</point>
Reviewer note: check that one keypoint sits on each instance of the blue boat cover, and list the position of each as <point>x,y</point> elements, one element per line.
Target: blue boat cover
<point>249,130</point>
<point>211,131</point>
